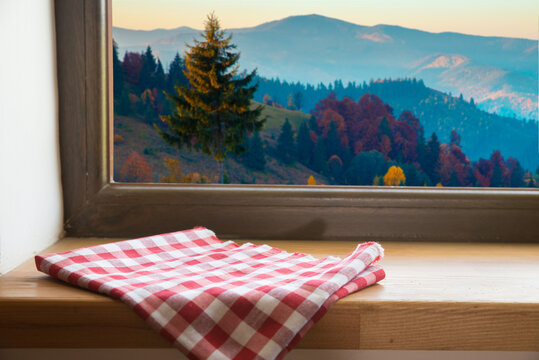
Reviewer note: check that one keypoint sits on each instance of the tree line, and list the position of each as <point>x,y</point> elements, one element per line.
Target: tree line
<point>357,143</point>
<point>350,142</point>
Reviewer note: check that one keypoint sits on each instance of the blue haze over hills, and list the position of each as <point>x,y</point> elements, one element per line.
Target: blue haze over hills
<point>499,73</point>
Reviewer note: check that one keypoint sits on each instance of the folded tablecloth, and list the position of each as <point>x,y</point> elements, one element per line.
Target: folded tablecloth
<point>215,299</point>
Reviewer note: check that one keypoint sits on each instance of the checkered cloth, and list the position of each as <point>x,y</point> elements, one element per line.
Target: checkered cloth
<point>214,299</point>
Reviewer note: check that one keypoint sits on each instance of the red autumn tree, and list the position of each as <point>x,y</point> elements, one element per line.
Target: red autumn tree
<point>482,171</point>
<point>455,167</point>
<point>131,67</point>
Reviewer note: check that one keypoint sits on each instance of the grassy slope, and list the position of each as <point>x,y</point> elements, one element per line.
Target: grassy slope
<point>142,138</point>
<point>275,117</point>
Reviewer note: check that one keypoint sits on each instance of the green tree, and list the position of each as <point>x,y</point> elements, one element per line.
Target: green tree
<point>313,125</point>
<point>124,104</point>
<point>159,76</point>
<point>333,143</point>
<point>320,156</point>
<point>454,179</point>
<point>255,155</point>
<point>517,173</point>
<point>413,176</point>
<point>147,71</point>
<point>212,115</point>
<point>285,143</point>
<point>432,159</point>
<point>298,99</point>
<point>305,145</point>
<point>175,74</point>
<point>365,167</point>
<point>117,72</point>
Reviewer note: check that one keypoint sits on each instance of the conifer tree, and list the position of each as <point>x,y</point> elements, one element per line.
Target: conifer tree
<point>117,73</point>
<point>454,179</point>
<point>285,143</point>
<point>175,73</point>
<point>432,159</point>
<point>305,145</point>
<point>159,76</point>
<point>147,71</point>
<point>320,157</point>
<point>255,156</point>
<point>517,173</point>
<point>212,114</point>
<point>333,143</point>
<point>313,125</point>
<point>298,100</point>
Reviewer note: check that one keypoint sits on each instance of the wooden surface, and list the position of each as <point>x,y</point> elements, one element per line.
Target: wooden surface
<point>435,296</point>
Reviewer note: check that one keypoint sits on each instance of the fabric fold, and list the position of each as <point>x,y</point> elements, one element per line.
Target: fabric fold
<point>215,299</point>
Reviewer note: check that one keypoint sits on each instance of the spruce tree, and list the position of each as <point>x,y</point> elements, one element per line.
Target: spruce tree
<point>285,143</point>
<point>255,156</point>
<point>117,72</point>
<point>159,76</point>
<point>175,74</point>
<point>305,145</point>
<point>454,179</point>
<point>432,159</point>
<point>333,143</point>
<point>212,114</point>
<point>313,125</point>
<point>320,156</point>
<point>147,71</point>
<point>517,176</point>
<point>298,100</point>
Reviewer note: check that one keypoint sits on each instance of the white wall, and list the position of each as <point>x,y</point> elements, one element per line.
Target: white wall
<point>30,191</point>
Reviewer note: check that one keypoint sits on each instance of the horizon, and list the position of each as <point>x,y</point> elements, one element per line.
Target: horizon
<point>494,18</point>
<point>313,14</point>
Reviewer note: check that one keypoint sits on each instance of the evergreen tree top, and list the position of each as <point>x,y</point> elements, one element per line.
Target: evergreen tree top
<point>213,113</point>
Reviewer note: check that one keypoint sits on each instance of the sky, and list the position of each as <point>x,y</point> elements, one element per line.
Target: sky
<point>510,18</point>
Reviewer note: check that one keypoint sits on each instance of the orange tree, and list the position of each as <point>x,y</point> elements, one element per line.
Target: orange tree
<point>394,176</point>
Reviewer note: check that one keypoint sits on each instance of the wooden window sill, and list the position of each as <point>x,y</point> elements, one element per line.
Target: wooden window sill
<point>436,296</point>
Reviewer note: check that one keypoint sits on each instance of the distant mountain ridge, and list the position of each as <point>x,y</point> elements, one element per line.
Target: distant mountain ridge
<point>499,73</point>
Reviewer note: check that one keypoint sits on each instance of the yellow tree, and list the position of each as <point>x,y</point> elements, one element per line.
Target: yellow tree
<point>311,180</point>
<point>174,171</point>
<point>394,177</point>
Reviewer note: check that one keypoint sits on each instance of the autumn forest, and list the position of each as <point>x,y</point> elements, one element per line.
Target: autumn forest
<point>306,134</point>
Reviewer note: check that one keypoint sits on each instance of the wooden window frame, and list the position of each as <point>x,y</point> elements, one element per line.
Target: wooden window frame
<point>94,205</point>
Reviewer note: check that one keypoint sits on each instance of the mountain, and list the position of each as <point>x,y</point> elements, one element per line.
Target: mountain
<point>499,73</point>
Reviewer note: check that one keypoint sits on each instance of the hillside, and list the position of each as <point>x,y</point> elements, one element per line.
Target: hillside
<point>499,73</point>
<point>134,134</point>
<point>481,132</point>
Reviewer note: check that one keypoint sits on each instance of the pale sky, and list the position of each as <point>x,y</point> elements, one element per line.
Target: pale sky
<point>511,18</point>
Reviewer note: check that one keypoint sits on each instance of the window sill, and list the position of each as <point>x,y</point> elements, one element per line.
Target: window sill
<point>435,297</point>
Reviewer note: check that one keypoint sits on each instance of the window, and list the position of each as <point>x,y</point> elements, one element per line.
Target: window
<point>322,121</point>
<point>96,206</point>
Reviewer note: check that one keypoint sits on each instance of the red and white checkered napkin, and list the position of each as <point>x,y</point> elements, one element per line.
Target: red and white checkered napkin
<point>214,299</point>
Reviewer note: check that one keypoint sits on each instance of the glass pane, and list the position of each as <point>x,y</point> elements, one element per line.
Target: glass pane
<point>319,93</point>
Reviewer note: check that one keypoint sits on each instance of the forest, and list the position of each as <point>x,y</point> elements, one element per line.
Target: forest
<point>340,135</point>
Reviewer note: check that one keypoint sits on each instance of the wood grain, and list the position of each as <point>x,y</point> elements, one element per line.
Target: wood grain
<point>435,297</point>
